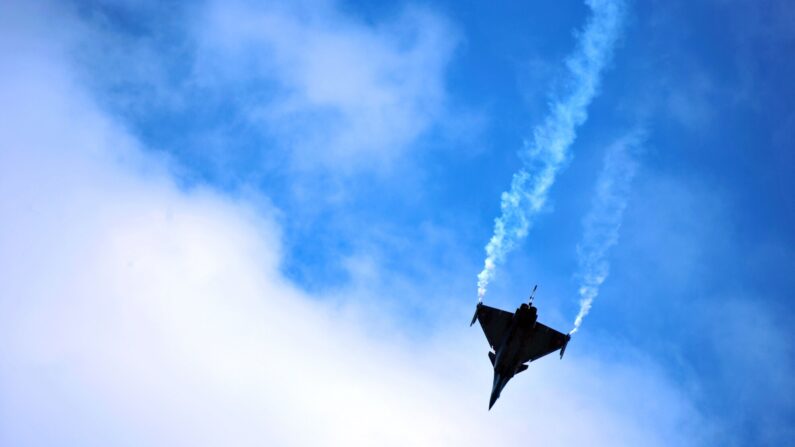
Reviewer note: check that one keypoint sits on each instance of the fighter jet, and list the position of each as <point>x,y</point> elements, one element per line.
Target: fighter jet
<point>515,339</point>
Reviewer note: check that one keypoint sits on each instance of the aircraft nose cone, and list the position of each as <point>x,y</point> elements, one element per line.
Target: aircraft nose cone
<point>494,397</point>
<point>495,390</point>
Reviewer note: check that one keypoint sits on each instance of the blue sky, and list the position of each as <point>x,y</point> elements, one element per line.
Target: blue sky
<point>198,196</point>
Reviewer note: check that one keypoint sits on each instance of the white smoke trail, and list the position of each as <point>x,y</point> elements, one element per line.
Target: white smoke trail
<point>603,221</point>
<point>548,151</point>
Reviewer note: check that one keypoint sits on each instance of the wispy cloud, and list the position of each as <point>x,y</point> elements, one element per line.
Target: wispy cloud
<point>333,90</point>
<point>548,151</point>
<point>305,82</point>
<point>603,222</point>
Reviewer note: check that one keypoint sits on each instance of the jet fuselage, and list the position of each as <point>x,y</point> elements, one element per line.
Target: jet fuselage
<point>508,360</point>
<point>508,354</point>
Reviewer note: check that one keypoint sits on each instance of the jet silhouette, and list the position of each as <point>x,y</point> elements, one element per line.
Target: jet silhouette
<point>515,339</point>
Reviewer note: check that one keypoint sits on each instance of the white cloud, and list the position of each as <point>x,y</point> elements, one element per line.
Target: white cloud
<point>133,312</point>
<point>346,94</point>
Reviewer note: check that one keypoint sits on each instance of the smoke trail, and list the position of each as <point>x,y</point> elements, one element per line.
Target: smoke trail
<point>603,221</point>
<point>548,151</point>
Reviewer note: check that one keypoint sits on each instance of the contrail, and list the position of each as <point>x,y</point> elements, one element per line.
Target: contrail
<point>603,221</point>
<point>548,151</point>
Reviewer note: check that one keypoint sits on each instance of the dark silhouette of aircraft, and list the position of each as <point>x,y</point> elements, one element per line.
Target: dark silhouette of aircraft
<point>515,339</point>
